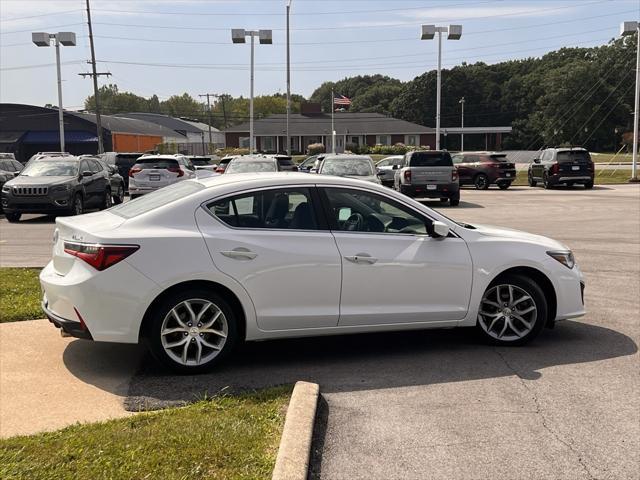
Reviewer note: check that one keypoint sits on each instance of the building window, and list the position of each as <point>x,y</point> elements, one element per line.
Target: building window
<point>268,144</point>
<point>243,142</point>
<point>383,139</point>
<point>411,140</point>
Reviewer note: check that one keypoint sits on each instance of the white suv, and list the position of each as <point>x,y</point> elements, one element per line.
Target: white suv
<point>151,172</point>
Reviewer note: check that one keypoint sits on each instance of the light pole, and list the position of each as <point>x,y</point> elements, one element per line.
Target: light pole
<point>68,39</point>
<point>288,80</point>
<point>461,102</point>
<point>626,29</point>
<point>428,33</point>
<point>238,35</point>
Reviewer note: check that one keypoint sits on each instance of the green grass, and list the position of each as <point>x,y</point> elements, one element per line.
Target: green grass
<point>609,157</point>
<point>603,177</point>
<point>20,294</point>
<point>228,437</point>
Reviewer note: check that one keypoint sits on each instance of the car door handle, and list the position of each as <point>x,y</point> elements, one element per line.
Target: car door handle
<point>239,254</point>
<point>361,258</point>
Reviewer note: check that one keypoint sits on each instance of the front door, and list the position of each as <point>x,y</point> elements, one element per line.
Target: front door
<point>393,271</point>
<point>274,243</point>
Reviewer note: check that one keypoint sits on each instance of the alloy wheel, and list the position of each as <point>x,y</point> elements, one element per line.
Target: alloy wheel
<point>77,205</point>
<point>507,312</point>
<point>194,332</point>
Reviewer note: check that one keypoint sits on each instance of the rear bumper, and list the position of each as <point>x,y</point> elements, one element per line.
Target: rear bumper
<point>440,191</point>
<point>75,329</point>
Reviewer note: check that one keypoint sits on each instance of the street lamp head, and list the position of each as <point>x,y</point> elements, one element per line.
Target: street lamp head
<point>41,39</point>
<point>461,100</point>
<point>265,36</point>
<point>238,35</point>
<point>455,32</point>
<point>628,28</point>
<point>68,39</point>
<point>428,32</point>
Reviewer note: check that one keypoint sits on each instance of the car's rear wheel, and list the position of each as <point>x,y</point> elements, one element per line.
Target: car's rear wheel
<point>13,217</point>
<point>588,185</point>
<point>530,180</point>
<point>546,183</point>
<point>455,200</point>
<point>504,185</point>
<point>191,332</point>
<point>513,311</point>
<point>481,181</point>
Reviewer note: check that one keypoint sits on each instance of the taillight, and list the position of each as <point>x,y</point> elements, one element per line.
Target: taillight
<point>407,175</point>
<point>590,166</point>
<point>554,168</point>
<point>99,256</point>
<point>134,170</point>
<point>220,170</point>
<point>177,170</point>
<point>454,175</point>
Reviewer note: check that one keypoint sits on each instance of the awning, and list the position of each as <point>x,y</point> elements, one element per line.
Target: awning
<point>53,136</point>
<point>10,137</point>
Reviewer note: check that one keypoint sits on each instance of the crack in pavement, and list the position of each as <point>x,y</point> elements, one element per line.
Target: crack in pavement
<point>543,418</point>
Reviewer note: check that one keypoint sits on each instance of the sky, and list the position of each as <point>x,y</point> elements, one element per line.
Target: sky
<point>168,47</point>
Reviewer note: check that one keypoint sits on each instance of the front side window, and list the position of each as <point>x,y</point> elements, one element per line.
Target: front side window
<point>290,209</point>
<point>359,211</point>
<point>457,159</point>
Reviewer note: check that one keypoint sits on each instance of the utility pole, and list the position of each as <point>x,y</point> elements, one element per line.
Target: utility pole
<point>209,109</point>
<point>288,81</point>
<point>461,102</point>
<point>95,76</point>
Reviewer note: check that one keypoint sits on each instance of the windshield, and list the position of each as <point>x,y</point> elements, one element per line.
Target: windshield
<point>430,159</point>
<point>51,169</point>
<point>357,167</point>
<point>162,163</point>
<point>153,200</point>
<point>244,166</point>
<point>573,156</point>
<point>201,161</point>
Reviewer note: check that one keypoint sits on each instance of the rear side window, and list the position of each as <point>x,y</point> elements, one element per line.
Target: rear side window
<point>126,160</point>
<point>573,156</point>
<point>285,162</point>
<point>153,200</point>
<point>498,158</point>
<point>95,166</point>
<point>430,159</point>
<point>157,163</point>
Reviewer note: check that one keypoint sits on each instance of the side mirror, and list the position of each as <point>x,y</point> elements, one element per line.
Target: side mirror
<point>294,169</point>
<point>536,160</point>
<point>440,229</point>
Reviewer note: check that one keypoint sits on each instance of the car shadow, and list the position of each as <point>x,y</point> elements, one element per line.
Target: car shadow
<point>351,362</point>
<point>38,219</point>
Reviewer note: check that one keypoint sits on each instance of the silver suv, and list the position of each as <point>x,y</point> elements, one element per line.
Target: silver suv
<point>151,172</point>
<point>428,173</point>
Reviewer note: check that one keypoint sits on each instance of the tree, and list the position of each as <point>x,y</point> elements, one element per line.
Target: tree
<point>113,101</point>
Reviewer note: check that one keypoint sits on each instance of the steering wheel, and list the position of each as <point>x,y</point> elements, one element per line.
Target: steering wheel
<point>354,222</point>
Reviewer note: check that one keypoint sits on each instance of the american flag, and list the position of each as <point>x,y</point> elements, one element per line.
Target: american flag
<point>341,100</point>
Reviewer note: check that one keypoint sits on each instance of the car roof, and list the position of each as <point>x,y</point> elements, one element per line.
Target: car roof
<point>346,155</point>
<point>59,158</point>
<point>264,179</point>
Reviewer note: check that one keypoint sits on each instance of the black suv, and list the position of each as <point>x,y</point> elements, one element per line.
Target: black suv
<point>562,166</point>
<point>57,185</point>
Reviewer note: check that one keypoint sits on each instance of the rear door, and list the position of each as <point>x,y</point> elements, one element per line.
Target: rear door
<point>101,179</point>
<point>275,244</point>
<point>574,163</point>
<point>431,169</point>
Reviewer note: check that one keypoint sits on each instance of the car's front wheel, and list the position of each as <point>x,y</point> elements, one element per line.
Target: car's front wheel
<point>77,205</point>
<point>13,217</point>
<point>118,196</point>
<point>107,202</point>
<point>513,311</point>
<point>531,180</point>
<point>190,332</point>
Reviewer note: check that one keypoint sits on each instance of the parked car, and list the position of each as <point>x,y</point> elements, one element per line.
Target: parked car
<point>114,277</point>
<point>346,165</point>
<point>57,185</point>
<point>207,162</point>
<point>151,172</point>
<point>115,179</point>
<point>483,169</point>
<point>556,166</point>
<point>309,163</point>
<point>7,156</point>
<point>285,162</point>
<point>428,173</point>
<point>386,169</point>
<point>224,161</point>
<point>123,161</point>
<point>251,164</point>
<point>9,168</point>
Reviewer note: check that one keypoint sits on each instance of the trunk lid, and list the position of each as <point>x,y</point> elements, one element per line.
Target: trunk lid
<point>79,229</point>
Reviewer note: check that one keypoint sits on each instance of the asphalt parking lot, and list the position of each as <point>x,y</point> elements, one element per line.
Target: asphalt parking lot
<point>437,404</point>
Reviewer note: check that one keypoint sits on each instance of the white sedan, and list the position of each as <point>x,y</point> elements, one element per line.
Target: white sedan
<point>196,267</point>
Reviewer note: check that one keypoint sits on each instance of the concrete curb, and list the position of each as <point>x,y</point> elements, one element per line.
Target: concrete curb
<point>292,462</point>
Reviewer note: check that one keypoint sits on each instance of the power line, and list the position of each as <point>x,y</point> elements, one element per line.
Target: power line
<point>13,19</point>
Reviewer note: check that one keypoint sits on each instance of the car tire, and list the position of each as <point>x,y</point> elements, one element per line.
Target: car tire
<point>13,217</point>
<point>107,201</point>
<point>118,197</point>
<point>545,181</point>
<point>588,185</point>
<point>132,196</point>
<point>503,185</point>
<point>505,295</point>
<point>455,200</point>
<point>481,182</point>
<point>178,350</point>
<point>77,205</point>
<point>530,180</point>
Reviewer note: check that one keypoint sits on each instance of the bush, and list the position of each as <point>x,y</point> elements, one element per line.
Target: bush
<point>315,148</point>
<point>232,151</point>
<point>357,149</point>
